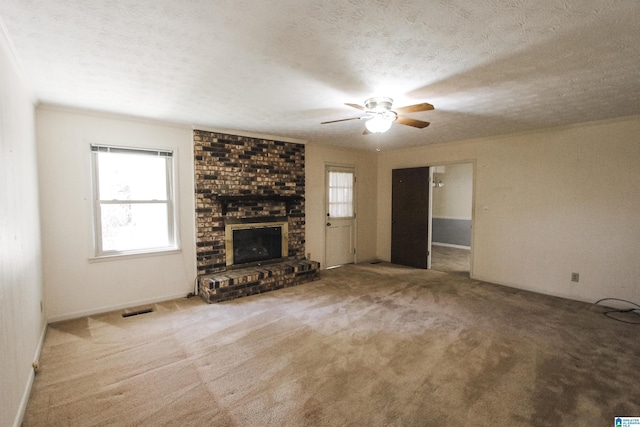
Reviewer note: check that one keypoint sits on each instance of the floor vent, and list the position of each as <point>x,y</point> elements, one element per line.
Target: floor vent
<point>135,313</point>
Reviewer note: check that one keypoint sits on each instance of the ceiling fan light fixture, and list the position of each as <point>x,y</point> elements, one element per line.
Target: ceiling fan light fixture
<point>378,104</point>
<point>379,116</point>
<point>378,124</point>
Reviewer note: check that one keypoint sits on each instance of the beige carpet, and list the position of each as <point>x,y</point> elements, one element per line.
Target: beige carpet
<point>367,345</point>
<point>450,260</point>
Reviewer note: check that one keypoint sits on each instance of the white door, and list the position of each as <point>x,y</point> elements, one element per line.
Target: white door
<point>341,215</point>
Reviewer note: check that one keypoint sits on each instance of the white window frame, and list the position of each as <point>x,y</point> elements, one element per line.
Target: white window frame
<point>172,226</point>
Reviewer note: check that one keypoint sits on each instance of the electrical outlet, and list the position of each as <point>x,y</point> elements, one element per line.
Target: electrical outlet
<point>575,277</point>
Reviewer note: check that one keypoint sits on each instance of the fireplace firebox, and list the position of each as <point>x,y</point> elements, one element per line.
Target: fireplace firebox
<point>248,242</point>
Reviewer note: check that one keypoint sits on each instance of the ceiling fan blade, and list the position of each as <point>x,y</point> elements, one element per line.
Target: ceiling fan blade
<point>341,120</point>
<point>412,122</point>
<point>414,108</point>
<point>359,107</point>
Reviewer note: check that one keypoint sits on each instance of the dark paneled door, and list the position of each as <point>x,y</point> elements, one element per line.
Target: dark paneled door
<point>410,216</point>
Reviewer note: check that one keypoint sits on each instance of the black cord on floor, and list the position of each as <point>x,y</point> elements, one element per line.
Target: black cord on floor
<point>621,311</point>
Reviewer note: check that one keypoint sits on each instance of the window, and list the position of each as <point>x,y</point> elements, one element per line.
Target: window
<point>133,200</point>
<point>340,193</point>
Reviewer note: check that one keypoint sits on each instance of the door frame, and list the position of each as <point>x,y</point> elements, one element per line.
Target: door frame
<point>430,218</point>
<point>432,167</point>
<point>351,168</point>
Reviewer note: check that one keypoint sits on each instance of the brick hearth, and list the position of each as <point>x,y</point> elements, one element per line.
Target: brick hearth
<point>243,177</point>
<point>242,282</point>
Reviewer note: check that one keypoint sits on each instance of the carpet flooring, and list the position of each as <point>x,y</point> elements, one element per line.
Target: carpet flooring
<point>450,260</point>
<point>367,345</point>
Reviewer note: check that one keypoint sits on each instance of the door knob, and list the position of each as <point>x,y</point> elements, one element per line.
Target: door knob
<point>328,224</point>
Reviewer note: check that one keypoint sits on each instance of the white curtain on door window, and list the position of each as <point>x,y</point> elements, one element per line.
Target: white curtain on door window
<point>340,194</point>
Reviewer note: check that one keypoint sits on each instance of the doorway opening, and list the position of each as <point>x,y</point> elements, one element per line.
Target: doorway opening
<point>451,218</point>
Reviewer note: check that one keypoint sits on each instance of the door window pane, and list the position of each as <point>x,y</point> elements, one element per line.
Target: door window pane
<point>340,194</point>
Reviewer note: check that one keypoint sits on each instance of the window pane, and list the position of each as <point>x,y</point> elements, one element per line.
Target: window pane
<point>340,194</point>
<point>128,227</point>
<point>132,177</point>
<point>340,179</point>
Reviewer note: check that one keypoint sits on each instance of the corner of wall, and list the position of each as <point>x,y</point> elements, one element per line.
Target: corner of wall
<point>32,375</point>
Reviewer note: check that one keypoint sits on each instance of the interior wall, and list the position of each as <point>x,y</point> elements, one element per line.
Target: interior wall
<point>453,199</point>
<point>316,159</point>
<point>452,204</point>
<point>74,284</point>
<point>22,323</point>
<point>546,204</point>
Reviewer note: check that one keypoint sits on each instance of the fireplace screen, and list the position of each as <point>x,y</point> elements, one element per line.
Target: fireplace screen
<point>250,243</point>
<point>257,244</point>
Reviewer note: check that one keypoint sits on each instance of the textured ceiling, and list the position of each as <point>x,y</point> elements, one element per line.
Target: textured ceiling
<point>281,67</point>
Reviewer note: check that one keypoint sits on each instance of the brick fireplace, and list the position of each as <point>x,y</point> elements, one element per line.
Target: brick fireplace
<point>241,179</point>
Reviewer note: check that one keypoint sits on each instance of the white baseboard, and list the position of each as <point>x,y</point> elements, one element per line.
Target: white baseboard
<point>27,390</point>
<point>529,289</point>
<point>449,245</point>
<point>107,309</point>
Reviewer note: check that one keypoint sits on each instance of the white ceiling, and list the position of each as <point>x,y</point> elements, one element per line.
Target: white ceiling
<point>281,67</point>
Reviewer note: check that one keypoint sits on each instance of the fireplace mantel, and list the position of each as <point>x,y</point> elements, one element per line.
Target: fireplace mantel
<point>225,199</point>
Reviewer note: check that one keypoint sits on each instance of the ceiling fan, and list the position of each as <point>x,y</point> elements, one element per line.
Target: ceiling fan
<point>379,116</point>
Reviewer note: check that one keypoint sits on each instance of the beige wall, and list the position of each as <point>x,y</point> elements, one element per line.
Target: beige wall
<point>74,285</point>
<point>22,323</point>
<point>543,209</point>
<point>453,200</point>
<point>316,159</point>
<point>546,204</point>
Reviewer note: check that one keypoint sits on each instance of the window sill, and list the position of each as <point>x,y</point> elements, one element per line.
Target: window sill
<point>123,256</point>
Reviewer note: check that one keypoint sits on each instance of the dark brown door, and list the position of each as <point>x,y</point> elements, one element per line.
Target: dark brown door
<point>410,216</point>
